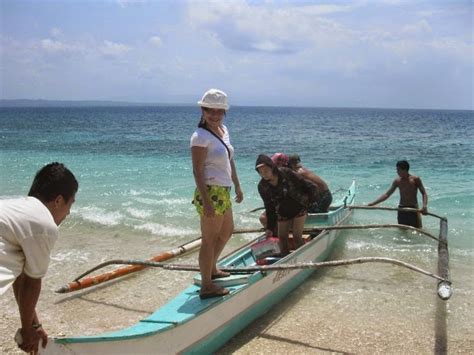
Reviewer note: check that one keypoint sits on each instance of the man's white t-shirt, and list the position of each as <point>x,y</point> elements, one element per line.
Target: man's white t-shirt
<point>27,235</point>
<point>217,169</point>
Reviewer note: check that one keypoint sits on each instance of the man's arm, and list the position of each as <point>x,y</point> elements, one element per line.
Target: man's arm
<point>424,195</point>
<point>27,291</point>
<point>386,195</point>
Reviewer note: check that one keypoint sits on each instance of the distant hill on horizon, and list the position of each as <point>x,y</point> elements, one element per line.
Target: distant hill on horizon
<point>108,103</point>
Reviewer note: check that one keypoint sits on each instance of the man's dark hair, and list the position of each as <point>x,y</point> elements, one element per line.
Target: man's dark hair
<point>293,160</point>
<point>53,180</point>
<point>403,164</point>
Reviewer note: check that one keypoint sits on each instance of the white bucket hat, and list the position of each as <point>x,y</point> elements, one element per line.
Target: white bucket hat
<point>214,98</point>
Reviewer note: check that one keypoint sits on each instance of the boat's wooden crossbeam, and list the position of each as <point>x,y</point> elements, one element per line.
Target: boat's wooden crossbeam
<point>404,209</point>
<point>351,226</point>
<point>263,268</point>
<point>444,285</point>
<point>372,226</point>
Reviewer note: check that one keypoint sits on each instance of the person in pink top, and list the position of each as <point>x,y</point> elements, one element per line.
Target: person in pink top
<point>280,160</point>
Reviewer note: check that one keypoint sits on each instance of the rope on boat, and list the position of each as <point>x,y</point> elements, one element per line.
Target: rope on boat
<point>263,268</point>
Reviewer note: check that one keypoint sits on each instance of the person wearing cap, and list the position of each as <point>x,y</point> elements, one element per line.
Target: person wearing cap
<point>324,197</point>
<point>214,173</point>
<point>280,159</point>
<point>28,232</point>
<point>286,197</point>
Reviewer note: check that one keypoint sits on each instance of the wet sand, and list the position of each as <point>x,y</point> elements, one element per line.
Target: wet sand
<point>360,309</point>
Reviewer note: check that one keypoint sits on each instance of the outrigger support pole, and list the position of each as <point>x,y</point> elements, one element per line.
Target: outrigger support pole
<point>347,226</point>
<point>405,209</point>
<point>444,287</point>
<point>264,268</point>
<point>369,226</point>
<point>445,290</point>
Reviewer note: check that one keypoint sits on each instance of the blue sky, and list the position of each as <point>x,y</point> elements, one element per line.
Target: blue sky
<point>386,53</point>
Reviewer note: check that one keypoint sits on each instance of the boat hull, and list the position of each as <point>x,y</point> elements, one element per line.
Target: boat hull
<point>190,325</point>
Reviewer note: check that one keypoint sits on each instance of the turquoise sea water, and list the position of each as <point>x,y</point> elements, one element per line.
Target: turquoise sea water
<point>134,167</point>
<point>136,184</point>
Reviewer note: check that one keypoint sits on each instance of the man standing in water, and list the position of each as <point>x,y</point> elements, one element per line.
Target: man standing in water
<point>409,186</point>
<point>28,231</point>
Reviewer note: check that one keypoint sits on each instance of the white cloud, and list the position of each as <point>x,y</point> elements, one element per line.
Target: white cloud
<point>112,49</point>
<point>341,49</point>
<point>127,3</point>
<point>52,46</point>
<point>267,46</point>
<point>276,29</point>
<point>454,47</point>
<point>56,32</point>
<point>419,28</point>
<point>220,66</point>
<point>156,41</point>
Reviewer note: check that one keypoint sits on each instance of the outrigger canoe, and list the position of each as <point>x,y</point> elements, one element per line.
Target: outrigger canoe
<point>190,325</point>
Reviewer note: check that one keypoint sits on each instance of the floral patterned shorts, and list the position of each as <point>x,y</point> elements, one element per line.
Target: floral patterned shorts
<point>220,198</point>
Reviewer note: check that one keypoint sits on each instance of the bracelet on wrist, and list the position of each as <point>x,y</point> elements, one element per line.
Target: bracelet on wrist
<point>36,326</point>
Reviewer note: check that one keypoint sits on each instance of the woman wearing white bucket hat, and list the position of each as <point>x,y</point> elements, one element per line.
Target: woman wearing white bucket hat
<point>214,172</point>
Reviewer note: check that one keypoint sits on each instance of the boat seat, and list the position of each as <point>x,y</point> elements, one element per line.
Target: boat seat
<point>232,280</point>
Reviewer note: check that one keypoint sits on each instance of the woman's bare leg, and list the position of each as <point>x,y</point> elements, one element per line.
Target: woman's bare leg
<point>210,228</point>
<point>223,237</point>
<point>283,231</point>
<point>298,226</point>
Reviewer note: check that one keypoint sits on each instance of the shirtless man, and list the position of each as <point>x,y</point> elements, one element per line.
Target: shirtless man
<point>409,186</point>
<point>325,198</point>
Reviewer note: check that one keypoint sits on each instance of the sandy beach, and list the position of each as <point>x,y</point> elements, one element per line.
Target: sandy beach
<point>358,310</point>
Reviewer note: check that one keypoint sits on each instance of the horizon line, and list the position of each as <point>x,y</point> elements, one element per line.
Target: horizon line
<point>110,103</point>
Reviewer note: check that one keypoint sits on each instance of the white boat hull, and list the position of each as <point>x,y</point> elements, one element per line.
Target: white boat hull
<point>211,328</point>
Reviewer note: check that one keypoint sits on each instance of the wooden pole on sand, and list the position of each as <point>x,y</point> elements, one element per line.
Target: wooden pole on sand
<point>78,284</point>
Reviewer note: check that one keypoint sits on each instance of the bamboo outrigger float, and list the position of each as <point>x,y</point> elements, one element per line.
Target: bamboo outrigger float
<point>189,325</point>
